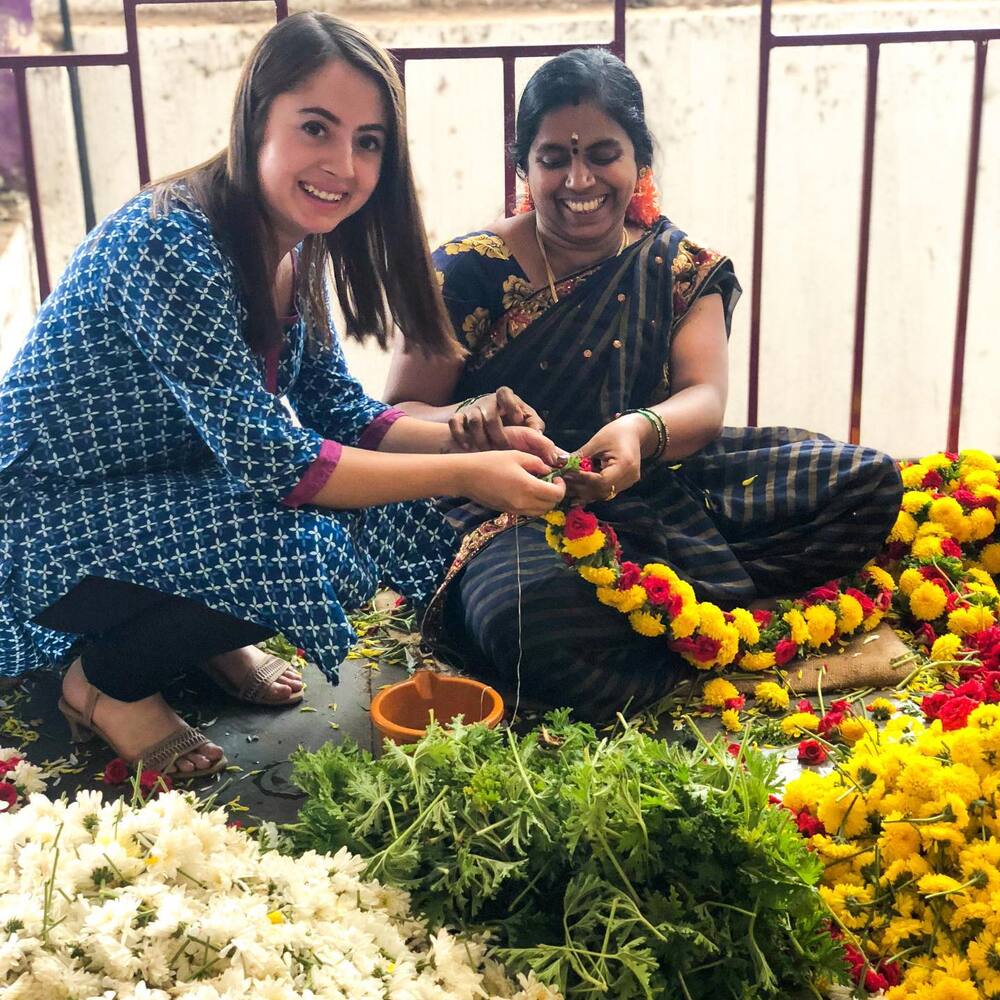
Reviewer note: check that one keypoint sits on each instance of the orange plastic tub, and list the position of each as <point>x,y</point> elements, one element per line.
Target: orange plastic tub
<point>401,712</point>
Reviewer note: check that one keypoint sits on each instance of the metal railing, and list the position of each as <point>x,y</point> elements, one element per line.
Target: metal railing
<point>20,64</point>
<point>873,42</point>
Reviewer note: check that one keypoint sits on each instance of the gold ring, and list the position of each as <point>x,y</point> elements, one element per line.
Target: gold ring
<point>612,494</point>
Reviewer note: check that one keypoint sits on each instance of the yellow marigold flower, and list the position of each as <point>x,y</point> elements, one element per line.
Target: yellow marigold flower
<point>928,601</point>
<point>881,708</point>
<point>980,576</point>
<point>800,630</point>
<point>718,691</point>
<point>556,517</point>
<point>729,647</point>
<point>631,600</point>
<point>972,458</point>
<point>985,717</point>
<point>748,629</point>
<point>945,647</point>
<point>974,618</point>
<point>603,576</point>
<point>660,570</point>
<point>851,903</point>
<point>982,524</point>
<point>934,883</point>
<point>990,558</point>
<point>852,729</point>
<point>947,511</point>
<point>805,790</point>
<point>731,720</point>
<point>608,596</point>
<point>586,546</point>
<point>914,501</point>
<point>938,460</point>
<point>850,614</point>
<point>713,623</point>
<point>798,723</point>
<point>913,475</point>
<point>980,478</point>
<point>771,695</point>
<point>646,624</point>
<point>905,528</point>
<point>928,547</point>
<point>880,576</point>
<point>843,814</point>
<point>933,528</point>
<point>872,621</point>
<point>757,661</point>
<point>552,537</point>
<point>822,623</point>
<point>898,841</point>
<point>686,622</point>
<point>909,580</point>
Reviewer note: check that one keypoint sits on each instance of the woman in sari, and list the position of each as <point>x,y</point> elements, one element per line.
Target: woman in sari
<point>597,316</point>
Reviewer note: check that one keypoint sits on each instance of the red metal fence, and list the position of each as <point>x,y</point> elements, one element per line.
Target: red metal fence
<point>873,42</point>
<point>509,54</point>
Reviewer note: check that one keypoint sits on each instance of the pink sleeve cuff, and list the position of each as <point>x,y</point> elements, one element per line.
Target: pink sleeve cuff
<point>316,475</point>
<point>371,436</point>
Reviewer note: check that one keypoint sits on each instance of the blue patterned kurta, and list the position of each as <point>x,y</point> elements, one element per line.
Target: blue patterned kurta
<point>138,442</point>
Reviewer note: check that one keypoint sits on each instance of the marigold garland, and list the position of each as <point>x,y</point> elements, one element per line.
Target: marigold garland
<point>936,575</point>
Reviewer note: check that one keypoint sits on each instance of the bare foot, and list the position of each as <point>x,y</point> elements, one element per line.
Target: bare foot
<point>135,725</point>
<point>239,663</point>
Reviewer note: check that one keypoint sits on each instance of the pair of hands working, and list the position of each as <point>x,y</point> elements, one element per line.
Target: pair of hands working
<point>501,420</point>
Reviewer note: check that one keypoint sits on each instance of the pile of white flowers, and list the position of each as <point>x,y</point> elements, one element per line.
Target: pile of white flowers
<point>151,902</point>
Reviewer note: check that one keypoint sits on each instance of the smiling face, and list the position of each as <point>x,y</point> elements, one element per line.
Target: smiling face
<point>581,186</point>
<point>321,155</point>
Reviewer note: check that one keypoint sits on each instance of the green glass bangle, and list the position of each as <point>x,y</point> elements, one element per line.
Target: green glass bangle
<point>469,401</point>
<point>662,434</point>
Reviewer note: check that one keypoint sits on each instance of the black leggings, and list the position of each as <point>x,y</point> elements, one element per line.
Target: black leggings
<point>139,639</point>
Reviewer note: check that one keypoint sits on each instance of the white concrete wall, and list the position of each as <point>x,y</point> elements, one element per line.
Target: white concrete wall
<point>699,70</point>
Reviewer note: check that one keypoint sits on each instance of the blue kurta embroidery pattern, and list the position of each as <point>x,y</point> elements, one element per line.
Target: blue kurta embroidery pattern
<point>138,442</point>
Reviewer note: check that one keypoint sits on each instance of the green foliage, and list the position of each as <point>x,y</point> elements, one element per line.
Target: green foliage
<point>620,867</point>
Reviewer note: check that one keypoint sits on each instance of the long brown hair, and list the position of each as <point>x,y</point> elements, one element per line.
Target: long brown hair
<point>379,256</point>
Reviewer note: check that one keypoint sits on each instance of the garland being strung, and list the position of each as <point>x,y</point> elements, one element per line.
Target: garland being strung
<point>941,549</point>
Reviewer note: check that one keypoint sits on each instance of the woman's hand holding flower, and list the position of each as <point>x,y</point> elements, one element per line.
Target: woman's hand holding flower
<point>616,451</point>
<point>479,425</point>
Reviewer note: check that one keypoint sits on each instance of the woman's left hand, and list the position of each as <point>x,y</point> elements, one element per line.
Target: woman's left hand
<point>616,451</point>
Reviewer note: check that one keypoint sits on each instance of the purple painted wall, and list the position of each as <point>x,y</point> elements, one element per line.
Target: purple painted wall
<point>15,18</point>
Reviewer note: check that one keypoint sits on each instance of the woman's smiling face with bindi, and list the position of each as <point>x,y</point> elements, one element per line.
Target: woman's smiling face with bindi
<point>321,155</point>
<point>582,173</point>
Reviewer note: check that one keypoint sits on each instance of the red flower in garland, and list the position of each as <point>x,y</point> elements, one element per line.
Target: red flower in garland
<point>808,825</point>
<point>951,548</point>
<point>702,649</point>
<point>659,593</point>
<point>762,617</point>
<point>631,573</point>
<point>579,523</point>
<point>8,795</point>
<point>932,480</point>
<point>116,771</point>
<point>828,592</point>
<point>867,604</point>
<point>925,635</point>
<point>812,752</point>
<point>784,651</point>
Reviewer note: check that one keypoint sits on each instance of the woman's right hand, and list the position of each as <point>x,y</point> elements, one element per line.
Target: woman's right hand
<point>508,481</point>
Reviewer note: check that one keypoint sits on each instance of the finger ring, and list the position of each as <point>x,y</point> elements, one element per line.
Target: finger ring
<point>613,493</point>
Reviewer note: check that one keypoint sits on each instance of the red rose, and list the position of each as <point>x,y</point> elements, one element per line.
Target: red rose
<point>925,635</point>
<point>737,704</point>
<point>874,982</point>
<point>808,825</point>
<point>828,592</point>
<point>586,465</point>
<point>951,548</point>
<point>612,538</point>
<point>955,713</point>
<point>151,783</point>
<point>974,689</point>
<point>840,705</point>
<point>702,649</point>
<point>867,604</point>
<point>896,550</point>
<point>855,960</point>
<point>8,794</point>
<point>116,771</point>
<point>658,591</point>
<point>630,575</point>
<point>891,973</point>
<point>951,602</point>
<point>8,765</point>
<point>932,480</point>
<point>933,703</point>
<point>579,523</point>
<point>762,617</point>
<point>784,651</point>
<point>829,721</point>
<point>812,752</point>
<point>803,705</point>
<point>733,749</point>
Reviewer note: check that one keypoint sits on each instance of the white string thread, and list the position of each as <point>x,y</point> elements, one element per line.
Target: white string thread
<point>520,648</point>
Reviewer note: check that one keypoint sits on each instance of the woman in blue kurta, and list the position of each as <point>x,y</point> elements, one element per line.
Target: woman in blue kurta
<point>612,323</point>
<point>186,465</point>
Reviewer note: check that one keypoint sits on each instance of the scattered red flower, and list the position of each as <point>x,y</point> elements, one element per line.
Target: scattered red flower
<point>812,752</point>
<point>8,794</point>
<point>151,783</point>
<point>116,771</point>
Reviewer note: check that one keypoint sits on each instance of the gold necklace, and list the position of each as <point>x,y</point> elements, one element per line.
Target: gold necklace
<point>548,267</point>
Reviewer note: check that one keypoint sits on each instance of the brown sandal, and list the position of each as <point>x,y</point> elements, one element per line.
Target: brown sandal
<point>160,756</point>
<point>253,688</point>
